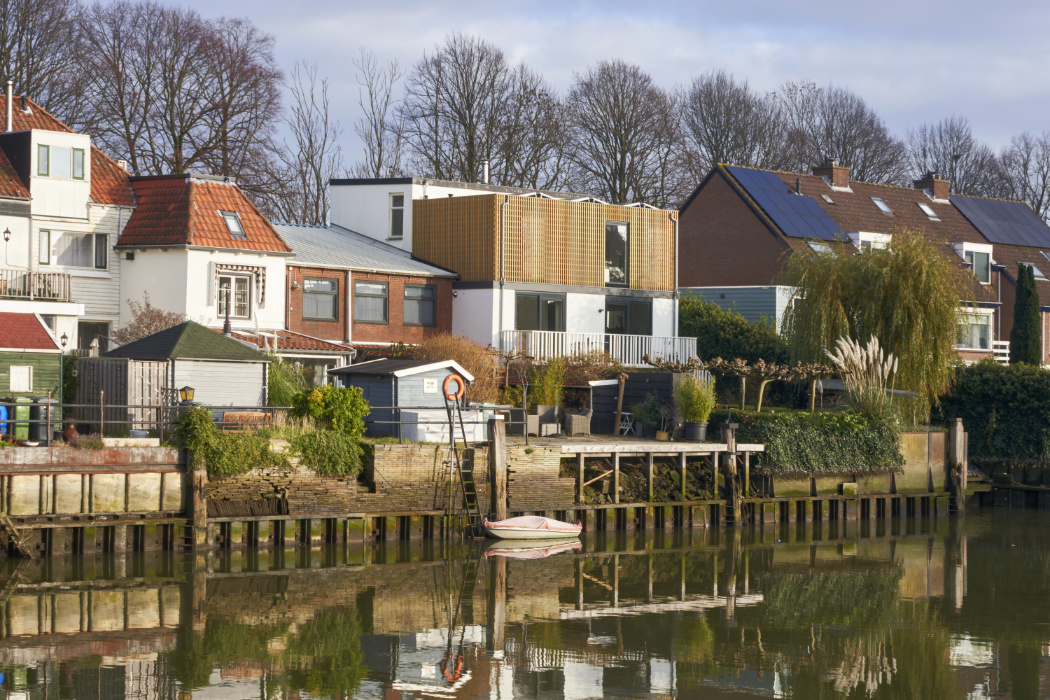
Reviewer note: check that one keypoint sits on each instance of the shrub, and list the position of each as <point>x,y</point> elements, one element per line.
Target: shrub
<point>548,383</point>
<point>284,381</point>
<point>820,444</point>
<point>483,363</point>
<point>224,455</point>
<point>591,366</point>
<point>866,372</point>
<point>694,398</point>
<point>332,408</point>
<point>328,452</point>
<point>1004,408</point>
<point>722,333</point>
<point>651,412</point>
<point>1025,338</point>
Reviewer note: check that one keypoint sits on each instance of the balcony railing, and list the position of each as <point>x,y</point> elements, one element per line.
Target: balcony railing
<point>22,284</point>
<point>627,349</point>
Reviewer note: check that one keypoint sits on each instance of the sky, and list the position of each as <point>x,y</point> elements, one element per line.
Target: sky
<point>912,61</point>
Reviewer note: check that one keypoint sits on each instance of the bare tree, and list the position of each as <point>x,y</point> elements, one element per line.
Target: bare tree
<point>949,148</point>
<point>533,143</point>
<point>824,122</point>
<point>146,319</point>
<point>1026,166</point>
<point>313,157</point>
<point>623,131</point>
<point>727,122</point>
<point>381,127</point>
<point>40,51</point>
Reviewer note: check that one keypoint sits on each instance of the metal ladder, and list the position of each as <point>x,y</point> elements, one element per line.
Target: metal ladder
<point>466,472</point>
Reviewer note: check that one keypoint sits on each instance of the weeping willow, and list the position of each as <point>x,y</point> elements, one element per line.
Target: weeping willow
<point>906,295</point>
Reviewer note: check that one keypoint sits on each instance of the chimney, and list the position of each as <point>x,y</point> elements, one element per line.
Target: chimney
<point>798,185</point>
<point>484,172</point>
<point>837,175</point>
<point>10,104</point>
<point>123,164</point>
<point>932,183</point>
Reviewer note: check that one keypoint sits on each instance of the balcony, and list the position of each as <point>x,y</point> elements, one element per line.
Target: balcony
<point>626,349</point>
<point>30,286</point>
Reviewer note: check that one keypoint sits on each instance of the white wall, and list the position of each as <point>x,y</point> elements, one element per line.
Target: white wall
<point>584,313</point>
<point>54,196</point>
<point>162,273</point>
<point>475,315</point>
<point>664,317</point>
<point>201,301</point>
<point>17,251</point>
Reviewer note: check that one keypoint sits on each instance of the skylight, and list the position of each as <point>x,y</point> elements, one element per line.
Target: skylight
<point>827,199</point>
<point>883,207</point>
<point>233,224</point>
<point>1046,254</point>
<point>818,247</point>
<point>1035,270</point>
<point>928,211</point>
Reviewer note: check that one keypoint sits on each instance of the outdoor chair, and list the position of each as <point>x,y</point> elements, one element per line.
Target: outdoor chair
<point>578,423</point>
<point>544,422</point>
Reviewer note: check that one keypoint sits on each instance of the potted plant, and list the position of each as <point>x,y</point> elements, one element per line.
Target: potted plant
<point>650,414</point>
<point>695,399</point>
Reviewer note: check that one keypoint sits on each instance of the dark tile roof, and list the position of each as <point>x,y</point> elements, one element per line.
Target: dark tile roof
<point>189,341</point>
<point>20,331</point>
<point>185,209</point>
<point>384,367</point>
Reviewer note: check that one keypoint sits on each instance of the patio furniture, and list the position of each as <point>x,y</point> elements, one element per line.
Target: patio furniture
<point>626,422</point>
<point>244,421</point>
<point>578,423</point>
<point>544,421</point>
<point>515,420</point>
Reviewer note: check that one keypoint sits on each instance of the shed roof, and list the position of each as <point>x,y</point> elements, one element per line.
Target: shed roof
<point>188,341</point>
<point>401,368</point>
<point>335,246</point>
<point>25,332</point>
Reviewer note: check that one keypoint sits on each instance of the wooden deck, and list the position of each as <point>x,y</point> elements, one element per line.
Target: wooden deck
<point>624,445</point>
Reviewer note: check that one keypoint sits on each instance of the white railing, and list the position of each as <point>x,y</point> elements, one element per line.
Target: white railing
<point>1001,351</point>
<point>22,284</point>
<point>627,349</point>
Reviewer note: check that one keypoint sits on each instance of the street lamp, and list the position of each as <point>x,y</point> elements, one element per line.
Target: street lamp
<point>65,340</point>
<point>186,394</point>
<point>7,235</point>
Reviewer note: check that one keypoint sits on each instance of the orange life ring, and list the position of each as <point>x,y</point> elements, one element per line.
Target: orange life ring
<point>450,675</point>
<point>459,384</point>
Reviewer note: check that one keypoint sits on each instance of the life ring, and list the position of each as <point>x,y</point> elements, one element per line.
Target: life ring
<point>453,380</point>
<point>450,675</point>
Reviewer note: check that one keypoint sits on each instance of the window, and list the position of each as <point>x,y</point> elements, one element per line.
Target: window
<point>980,263</point>
<point>883,207</point>
<point>321,298</point>
<point>615,254</point>
<point>866,242</point>
<point>89,250</point>
<point>928,211</point>
<point>370,302</point>
<point>60,161</point>
<point>44,254</point>
<point>632,316</point>
<point>539,312</point>
<point>420,305</point>
<point>238,291</point>
<point>88,331</point>
<point>975,331</point>
<point>1036,272</point>
<point>21,378</point>
<point>78,163</point>
<point>233,224</point>
<point>397,215</point>
<point>827,199</point>
<point>43,160</point>
<point>49,321</point>
<point>818,247</point>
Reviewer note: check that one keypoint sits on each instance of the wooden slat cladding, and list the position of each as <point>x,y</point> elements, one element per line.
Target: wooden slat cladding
<point>458,233</point>
<point>548,241</point>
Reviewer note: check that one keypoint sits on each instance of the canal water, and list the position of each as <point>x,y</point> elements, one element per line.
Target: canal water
<point>917,608</point>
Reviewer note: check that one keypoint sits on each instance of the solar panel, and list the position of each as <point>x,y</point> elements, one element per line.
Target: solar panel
<point>797,216</point>
<point>1010,223</point>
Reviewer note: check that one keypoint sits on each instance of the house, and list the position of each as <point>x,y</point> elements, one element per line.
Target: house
<point>63,205</point>
<point>548,274</point>
<point>345,287</point>
<point>403,391</point>
<point>196,243</point>
<point>222,371</point>
<point>30,357</point>
<point>740,225</point>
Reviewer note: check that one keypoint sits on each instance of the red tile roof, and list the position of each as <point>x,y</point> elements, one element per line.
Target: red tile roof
<point>185,210</point>
<point>110,183</point>
<point>25,332</point>
<point>289,340</point>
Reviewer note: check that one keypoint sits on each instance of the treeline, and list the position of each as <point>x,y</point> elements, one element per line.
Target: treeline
<point>170,91</point>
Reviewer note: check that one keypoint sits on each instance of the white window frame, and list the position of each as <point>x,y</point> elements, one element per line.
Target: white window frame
<point>963,248</point>
<point>96,239</point>
<point>882,206</point>
<point>390,222</point>
<point>1037,273</point>
<point>233,296</point>
<point>26,373</point>
<point>44,243</point>
<point>866,240</point>
<point>928,211</point>
<point>988,314</point>
<point>226,216</point>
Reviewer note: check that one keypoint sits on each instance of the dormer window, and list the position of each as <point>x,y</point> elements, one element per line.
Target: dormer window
<point>233,224</point>
<point>60,162</point>
<point>867,242</point>
<point>883,207</point>
<point>978,257</point>
<point>928,211</point>
<point>1036,272</point>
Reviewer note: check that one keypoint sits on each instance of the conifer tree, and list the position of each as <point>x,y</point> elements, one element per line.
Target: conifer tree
<point>1025,341</point>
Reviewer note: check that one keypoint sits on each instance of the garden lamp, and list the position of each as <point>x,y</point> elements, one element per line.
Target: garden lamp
<point>186,394</point>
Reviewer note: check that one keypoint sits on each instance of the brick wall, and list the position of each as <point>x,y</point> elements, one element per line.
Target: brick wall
<point>721,241</point>
<point>534,481</point>
<point>337,330</point>
<point>395,331</point>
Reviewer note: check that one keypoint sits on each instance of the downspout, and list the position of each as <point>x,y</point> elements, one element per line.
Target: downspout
<point>675,297</point>
<point>502,261</point>
<point>288,299</point>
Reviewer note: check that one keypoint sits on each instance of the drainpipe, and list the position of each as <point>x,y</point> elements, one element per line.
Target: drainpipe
<point>675,296</point>
<point>502,261</point>
<point>10,104</point>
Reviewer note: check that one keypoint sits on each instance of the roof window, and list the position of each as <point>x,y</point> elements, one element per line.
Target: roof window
<point>928,211</point>
<point>819,247</point>
<point>883,207</point>
<point>827,199</point>
<point>233,224</point>
<point>1035,270</point>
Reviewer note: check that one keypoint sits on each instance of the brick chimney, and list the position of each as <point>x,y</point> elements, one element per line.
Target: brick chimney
<point>837,175</point>
<point>932,183</point>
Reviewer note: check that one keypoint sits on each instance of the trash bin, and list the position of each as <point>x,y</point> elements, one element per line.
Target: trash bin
<point>41,413</point>
<point>18,417</point>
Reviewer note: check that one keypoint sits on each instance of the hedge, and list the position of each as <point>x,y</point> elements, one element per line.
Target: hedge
<point>818,444</point>
<point>1005,409</point>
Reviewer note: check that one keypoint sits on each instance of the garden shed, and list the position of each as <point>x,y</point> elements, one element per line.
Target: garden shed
<point>30,365</point>
<point>223,371</point>
<point>397,388</point>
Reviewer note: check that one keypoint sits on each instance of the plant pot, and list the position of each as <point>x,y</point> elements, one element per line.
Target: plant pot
<point>663,435</point>
<point>695,432</point>
<point>648,431</point>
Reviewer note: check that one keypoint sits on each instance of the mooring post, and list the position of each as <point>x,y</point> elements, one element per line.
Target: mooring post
<point>649,477</point>
<point>616,477</point>
<point>498,466</point>
<point>956,466</point>
<point>580,471</point>
<point>733,497</point>
<point>199,490</point>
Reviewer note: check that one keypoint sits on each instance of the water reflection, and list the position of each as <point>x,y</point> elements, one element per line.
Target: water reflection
<point>907,609</point>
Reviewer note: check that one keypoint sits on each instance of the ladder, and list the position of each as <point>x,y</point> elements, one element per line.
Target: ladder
<point>14,539</point>
<point>466,472</point>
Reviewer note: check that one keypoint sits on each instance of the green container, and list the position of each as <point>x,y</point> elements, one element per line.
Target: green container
<point>19,416</point>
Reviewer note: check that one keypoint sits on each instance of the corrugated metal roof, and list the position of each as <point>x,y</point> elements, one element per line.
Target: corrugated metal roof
<point>335,246</point>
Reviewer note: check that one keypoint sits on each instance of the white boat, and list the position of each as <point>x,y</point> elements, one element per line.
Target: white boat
<point>532,527</point>
<point>531,549</point>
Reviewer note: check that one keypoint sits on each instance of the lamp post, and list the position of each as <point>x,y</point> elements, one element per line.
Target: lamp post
<point>186,395</point>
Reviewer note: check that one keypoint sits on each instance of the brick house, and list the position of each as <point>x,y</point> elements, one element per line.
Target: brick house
<point>345,287</point>
<point>740,225</point>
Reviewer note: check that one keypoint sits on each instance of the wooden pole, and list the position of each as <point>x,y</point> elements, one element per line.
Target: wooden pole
<point>733,496</point>
<point>956,466</point>
<point>649,479</point>
<point>622,379</point>
<point>616,477</point>
<point>498,466</point>
<point>681,468</point>
<point>579,479</point>
<point>199,490</point>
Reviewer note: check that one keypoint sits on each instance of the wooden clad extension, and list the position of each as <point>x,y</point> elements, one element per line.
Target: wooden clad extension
<point>548,241</point>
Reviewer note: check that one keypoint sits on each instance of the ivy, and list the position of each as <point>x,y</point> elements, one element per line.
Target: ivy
<point>328,452</point>
<point>224,454</point>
